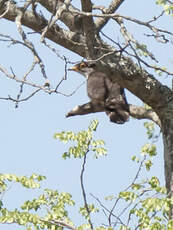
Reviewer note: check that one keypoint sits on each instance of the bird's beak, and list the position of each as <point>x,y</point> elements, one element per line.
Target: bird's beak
<point>73,68</point>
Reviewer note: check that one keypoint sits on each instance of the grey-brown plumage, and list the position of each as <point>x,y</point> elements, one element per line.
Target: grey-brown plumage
<point>103,92</point>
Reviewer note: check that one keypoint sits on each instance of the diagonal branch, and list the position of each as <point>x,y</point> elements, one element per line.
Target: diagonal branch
<point>140,112</point>
<point>70,40</point>
<point>137,112</point>
<point>88,28</point>
<point>72,20</point>
<point>101,22</point>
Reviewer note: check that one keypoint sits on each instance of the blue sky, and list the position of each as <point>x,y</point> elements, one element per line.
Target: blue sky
<point>26,133</point>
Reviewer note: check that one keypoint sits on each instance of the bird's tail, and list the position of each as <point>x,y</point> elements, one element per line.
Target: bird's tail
<point>117,109</point>
<point>118,117</point>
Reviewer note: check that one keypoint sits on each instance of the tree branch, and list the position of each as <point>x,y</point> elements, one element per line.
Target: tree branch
<point>137,112</point>
<point>140,112</point>
<point>59,223</point>
<point>72,20</point>
<point>88,29</point>
<point>101,22</point>
<point>128,18</point>
<point>83,190</point>
<point>85,109</point>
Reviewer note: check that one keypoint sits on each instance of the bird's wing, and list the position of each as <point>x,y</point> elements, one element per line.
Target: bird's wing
<point>96,87</point>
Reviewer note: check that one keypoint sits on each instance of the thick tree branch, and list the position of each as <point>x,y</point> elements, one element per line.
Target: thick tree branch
<point>137,112</point>
<point>142,84</point>
<point>72,20</point>
<point>101,22</point>
<point>140,112</point>
<point>88,28</point>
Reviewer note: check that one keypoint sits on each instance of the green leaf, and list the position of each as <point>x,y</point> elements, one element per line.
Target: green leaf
<point>149,149</point>
<point>154,182</point>
<point>128,196</point>
<point>93,125</point>
<point>150,129</point>
<point>148,164</point>
<point>136,186</point>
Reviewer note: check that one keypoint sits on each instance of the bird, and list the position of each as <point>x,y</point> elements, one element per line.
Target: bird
<point>104,93</point>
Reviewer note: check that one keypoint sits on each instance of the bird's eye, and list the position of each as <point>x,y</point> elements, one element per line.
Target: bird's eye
<point>82,65</point>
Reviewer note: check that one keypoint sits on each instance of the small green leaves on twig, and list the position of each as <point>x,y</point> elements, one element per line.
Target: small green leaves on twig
<point>150,129</point>
<point>84,142</point>
<point>91,208</point>
<point>28,182</point>
<point>167,6</point>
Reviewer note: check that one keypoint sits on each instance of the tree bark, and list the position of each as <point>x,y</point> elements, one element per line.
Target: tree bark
<point>167,129</point>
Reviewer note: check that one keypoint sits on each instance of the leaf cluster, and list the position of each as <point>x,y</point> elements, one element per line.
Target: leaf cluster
<point>167,6</point>
<point>84,142</point>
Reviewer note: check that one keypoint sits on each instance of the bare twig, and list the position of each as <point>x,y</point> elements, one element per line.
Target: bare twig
<point>29,44</point>
<point>107,210</point>
<point>17,101</point>
<point>83,189</point>
<point>129,38</point>
<point>159,37</point>
<point>156,17</point>
<point>115,16</point>
<point>129,186</point>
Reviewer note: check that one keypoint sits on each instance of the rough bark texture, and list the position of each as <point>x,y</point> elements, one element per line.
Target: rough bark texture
<point>82,38</point>
<point>167,128</point>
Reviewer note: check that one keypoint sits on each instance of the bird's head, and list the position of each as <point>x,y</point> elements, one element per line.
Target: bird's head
<point>83,68</point>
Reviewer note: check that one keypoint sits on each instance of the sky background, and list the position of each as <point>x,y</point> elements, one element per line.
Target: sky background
<point>26,133</point>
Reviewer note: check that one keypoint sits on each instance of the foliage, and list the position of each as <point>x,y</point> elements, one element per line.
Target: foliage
<point>52,202</point>
<point>85,142</point>
<point>145,200</point>
<point>31,182</point>
<point>167,6</point>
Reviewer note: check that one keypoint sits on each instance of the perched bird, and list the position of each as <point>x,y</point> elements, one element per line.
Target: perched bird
<point>104,93</point>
